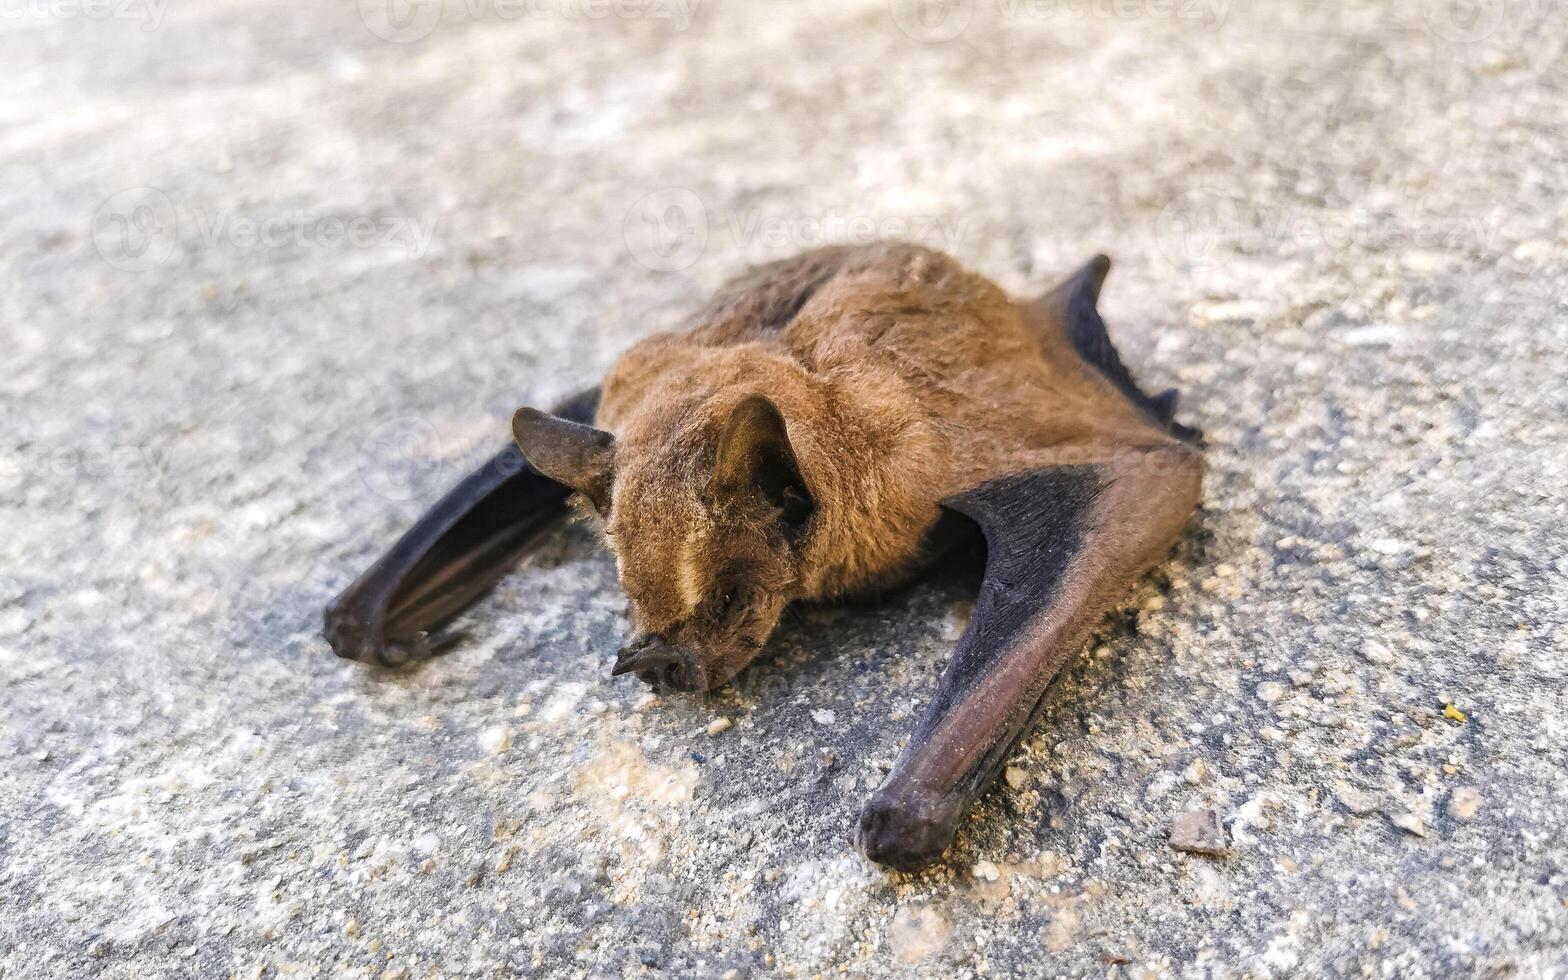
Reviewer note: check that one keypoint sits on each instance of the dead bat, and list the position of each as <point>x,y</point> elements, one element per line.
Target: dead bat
<point>802,438</point>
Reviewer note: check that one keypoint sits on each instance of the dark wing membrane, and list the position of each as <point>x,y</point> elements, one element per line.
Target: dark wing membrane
<point>1074,305</point>
<point>451,556</point>
<point>1063,544</point>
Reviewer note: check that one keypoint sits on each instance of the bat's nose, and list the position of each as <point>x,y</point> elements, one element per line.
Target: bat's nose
<point>657,662</point>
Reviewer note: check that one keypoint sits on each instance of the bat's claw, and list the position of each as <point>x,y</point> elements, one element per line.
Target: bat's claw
<point>906,828</point>
<point>350,636</point>
<point>354,636</point>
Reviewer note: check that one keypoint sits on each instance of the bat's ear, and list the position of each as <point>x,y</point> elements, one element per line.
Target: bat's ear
<point>576,455</point>
<point>755,458</point>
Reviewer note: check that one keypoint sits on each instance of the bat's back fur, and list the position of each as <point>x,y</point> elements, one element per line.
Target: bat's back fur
<point>901,378</point>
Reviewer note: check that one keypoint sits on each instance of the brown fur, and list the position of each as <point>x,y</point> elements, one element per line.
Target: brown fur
<point>901,378</point>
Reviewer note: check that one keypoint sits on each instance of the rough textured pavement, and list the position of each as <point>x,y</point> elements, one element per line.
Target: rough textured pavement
<point>276,274</point>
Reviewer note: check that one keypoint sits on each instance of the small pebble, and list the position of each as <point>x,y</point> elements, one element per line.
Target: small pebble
<point>1356,801</point>
<point>1376,653</point>
<point>1199,832</point>
<point>1197,771</point>
<point>917,933</point>
<point>1016,777</point>
<point>1464,803</point>
<point>718,726</point>
<point>825,716</point>
<point>1409,823</point>
<point>496,740</point>
<point>504,863</point>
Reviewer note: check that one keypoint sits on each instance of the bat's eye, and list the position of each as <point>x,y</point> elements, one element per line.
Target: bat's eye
<point>726,603</point>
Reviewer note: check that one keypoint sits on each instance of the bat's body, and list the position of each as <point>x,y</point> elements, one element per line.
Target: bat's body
<point>799,440</point>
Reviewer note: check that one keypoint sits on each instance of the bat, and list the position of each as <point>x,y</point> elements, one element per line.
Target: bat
<point>828,426</point>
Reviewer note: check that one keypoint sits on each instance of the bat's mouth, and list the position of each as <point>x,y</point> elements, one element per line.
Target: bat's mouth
<point>660,664</point>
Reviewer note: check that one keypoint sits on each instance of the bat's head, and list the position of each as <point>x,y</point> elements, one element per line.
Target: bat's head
<point>706,521</point>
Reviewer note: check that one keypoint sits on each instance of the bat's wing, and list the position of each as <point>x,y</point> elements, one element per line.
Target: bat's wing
<point>451,556</point>
<point>1066,536</point>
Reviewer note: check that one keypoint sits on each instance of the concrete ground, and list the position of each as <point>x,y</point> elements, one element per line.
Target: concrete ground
<point>277,273</point>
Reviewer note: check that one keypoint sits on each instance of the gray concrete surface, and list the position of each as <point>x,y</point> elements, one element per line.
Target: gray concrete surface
<point>273,280</point>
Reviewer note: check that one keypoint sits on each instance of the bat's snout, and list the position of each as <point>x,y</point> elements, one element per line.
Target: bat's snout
<point>906,827</point>
<point>657,662</point>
